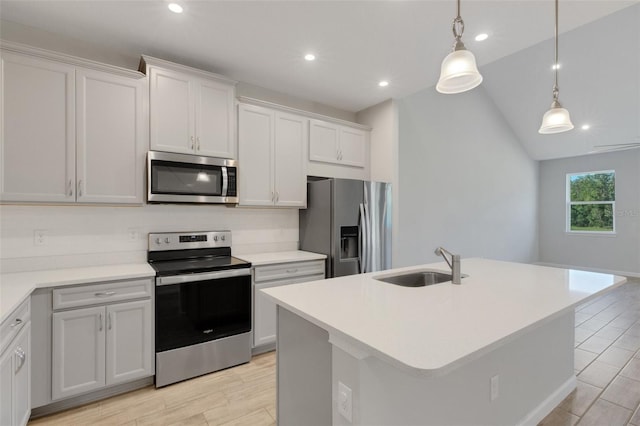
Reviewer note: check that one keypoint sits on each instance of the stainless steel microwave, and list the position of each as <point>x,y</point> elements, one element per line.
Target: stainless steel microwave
<point>181,178</point>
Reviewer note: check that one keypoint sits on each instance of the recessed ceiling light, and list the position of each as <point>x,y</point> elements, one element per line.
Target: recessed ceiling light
<point>175,8</point>
<point>482,37</point>
<point>310,57</point>
<point>383,83</point>
<point>586,127</point>
<point>556,66</point>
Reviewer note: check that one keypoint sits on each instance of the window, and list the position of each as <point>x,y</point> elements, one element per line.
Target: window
<point>591,202</point>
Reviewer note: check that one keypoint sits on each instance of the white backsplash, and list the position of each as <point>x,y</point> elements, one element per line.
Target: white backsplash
<point>77,236</point>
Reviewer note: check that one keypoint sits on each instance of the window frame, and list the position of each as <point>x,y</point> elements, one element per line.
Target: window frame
<point>570,203</point>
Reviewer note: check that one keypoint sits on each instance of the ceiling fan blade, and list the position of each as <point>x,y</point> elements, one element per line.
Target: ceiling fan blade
<point>618,144</point>
<point>609,148</point>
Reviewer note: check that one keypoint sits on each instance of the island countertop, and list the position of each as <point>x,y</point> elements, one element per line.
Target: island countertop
<point>434,329</point>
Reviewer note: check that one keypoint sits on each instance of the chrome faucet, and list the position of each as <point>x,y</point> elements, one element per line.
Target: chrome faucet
<point>454,264</point>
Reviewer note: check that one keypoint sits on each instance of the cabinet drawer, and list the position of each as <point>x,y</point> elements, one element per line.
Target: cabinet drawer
<point>71,297</point>
<point>14,323</point>
<point>288,270</point>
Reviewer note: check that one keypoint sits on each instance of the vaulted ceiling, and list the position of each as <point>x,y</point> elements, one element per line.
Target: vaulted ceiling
<point>359,43</point>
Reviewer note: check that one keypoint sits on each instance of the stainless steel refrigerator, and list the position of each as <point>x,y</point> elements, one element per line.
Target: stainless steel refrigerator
<point>349,221</point>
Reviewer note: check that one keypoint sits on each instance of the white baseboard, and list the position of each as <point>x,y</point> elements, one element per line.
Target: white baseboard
<point>552,401</point>
<point>586,268</point>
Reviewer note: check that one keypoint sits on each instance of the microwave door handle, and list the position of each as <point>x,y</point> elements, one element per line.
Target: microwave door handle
<point>225,181</point>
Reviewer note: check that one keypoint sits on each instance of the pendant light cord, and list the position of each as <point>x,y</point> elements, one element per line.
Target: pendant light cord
<point>556,65</point>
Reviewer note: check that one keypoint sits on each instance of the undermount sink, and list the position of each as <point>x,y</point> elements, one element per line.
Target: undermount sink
<point>421,278</point>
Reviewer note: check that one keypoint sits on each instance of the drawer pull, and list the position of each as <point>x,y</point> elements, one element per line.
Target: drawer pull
<point>16,323</point>
<point>292,271</point>
<point>105,293</point>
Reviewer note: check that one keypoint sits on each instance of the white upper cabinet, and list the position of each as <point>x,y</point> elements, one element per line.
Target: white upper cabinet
<point>110,135</point>
<point>38,133</point>
<point>338,144</point>
<point>70,134</point>
<point>191,111</point>
<point>272,148</point>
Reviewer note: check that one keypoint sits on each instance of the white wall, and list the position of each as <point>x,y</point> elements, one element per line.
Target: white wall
<point>619,253</point>
<point>92,235</point>
<point>467,183</point>
<point>383,156</point>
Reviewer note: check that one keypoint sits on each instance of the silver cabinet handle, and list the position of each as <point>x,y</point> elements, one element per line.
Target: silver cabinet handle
<point>337,154</point>
<point>100,319</point>
<point>192,143</point>
<point>292,271</point>
<point>80,188</point>
<point>16,323</point>
<point>104,293</point>
<point>21,356</point>
<point>198,143</point>
<point>109,320</point>
<point>273,197</point>
<point>70,186</point>
<point>277,196</point>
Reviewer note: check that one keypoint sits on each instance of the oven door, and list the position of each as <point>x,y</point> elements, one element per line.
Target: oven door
<point>190,179</point>
<point>197,308</point>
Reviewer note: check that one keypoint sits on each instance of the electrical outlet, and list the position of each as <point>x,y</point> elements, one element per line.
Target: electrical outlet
<point>345,403</point>
<point>40,237</point>
<point>494,387</point>
<point>133,234</point>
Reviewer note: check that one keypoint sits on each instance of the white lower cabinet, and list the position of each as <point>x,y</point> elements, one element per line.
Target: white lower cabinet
<point>99,346</point>
<point>264,310</point>
<point>15,380</point>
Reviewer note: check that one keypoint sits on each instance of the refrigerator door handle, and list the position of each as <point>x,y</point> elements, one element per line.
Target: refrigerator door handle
<point>361,226</point>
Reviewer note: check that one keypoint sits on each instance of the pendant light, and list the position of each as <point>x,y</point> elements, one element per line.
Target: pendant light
<point>557,119</point>
<point>458,72</point>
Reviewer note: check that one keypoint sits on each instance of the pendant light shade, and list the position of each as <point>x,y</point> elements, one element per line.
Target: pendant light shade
<point>557,119</point>
<point>459,71</point>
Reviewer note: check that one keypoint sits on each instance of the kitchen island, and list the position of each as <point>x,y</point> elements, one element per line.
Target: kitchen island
<point>497,349</point>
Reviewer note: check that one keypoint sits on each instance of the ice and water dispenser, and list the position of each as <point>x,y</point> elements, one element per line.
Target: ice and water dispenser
<point>348,242</point>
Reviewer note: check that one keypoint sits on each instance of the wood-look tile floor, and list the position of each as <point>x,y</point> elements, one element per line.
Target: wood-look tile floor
<point>607,364</point>
<point>242,395</point>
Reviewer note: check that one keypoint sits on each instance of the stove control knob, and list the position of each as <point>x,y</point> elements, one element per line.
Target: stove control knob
<point>222,238</point>
<point>215,238</point>
<point>158,240</point>
<point>167,240</point>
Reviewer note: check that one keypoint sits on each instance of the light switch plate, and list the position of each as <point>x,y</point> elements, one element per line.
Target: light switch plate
<point>345,402</point>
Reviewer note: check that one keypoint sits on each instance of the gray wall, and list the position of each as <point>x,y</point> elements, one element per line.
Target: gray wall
<point>619,253</point>
<point>467,183</point>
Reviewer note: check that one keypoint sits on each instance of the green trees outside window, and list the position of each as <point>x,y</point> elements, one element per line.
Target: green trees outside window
<point>591,201</point>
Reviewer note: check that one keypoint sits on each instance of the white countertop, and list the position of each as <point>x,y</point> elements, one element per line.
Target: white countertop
<point>258,259</point>
<point>436,328</point>
<point>16,287</point>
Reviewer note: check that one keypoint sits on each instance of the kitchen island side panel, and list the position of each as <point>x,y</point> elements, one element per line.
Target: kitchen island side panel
<point>303,372</point>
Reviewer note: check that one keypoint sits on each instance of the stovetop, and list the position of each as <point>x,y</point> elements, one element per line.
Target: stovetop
<point>172,253</point>
<point>197,265</point>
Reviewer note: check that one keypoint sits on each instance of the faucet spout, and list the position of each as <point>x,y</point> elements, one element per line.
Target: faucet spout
<point>454,264</point>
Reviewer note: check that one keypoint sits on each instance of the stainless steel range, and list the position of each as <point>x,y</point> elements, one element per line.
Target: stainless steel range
<point>202,304</point>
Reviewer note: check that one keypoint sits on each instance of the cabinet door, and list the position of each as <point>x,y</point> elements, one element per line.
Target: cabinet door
<point>215,136</point>
<point>352,147</point>
<point>323,141</point>
<point>22,377</point>
<point>78,363</point>
<point>37,155</point>
<point>264,310</point>
<point>171,109</point>
<point>6,387</point>
<point>129,341</point>
<point>290,175</point>
<point>255,147</point>
<point>110,141</point>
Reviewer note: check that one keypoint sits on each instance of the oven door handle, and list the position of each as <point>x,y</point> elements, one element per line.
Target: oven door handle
<point>179,279</point>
